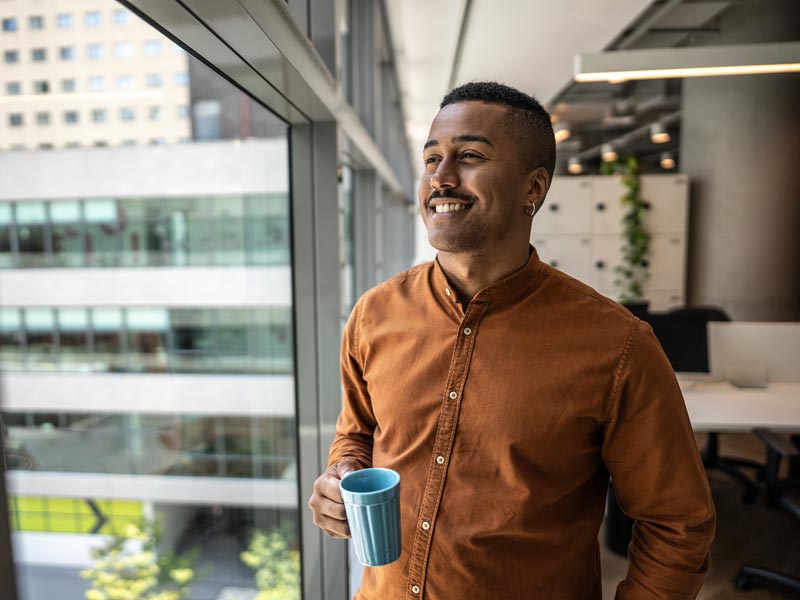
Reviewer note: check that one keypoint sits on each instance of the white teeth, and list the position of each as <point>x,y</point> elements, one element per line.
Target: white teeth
<point>445,208</point>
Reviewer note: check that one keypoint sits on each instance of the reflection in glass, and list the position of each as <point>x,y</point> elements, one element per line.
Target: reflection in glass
<point>147,331</point>
<point>40,326</point>
<point>229,220</point>
<point>194,340</point>
<point>134,235</point>
<point>67,232</point>
<point>104,227</point>
<point>233,333</point>
<point>134,443</point>
<point>109,344</point>
<point>11,340</point>
<point>32,234</point>
<point>267,230</point>
<point>73,329</point>
<point>270,340</point>
<point>6,258</point>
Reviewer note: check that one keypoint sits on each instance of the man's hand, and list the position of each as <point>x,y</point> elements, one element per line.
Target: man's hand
<point>326,501</point>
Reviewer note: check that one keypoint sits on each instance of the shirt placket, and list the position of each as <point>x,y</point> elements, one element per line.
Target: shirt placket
<point>443,446</point>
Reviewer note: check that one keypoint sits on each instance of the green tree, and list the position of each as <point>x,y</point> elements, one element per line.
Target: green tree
<point>120,572</point>
<point>277,566</point>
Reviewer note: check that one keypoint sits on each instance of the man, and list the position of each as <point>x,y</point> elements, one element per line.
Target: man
<point>505,393</point>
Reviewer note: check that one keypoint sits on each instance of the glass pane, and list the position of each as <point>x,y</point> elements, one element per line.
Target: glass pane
<point>67,232</point>
<point>270,338</point>
<point>6,257</point>
<point>12,356</point>
<point>229,221</point>
<point>73,334</point>
<point>267,230</point>
<point>40,339</point>
<point>195,348</point>
<point>108,340</point>
<point>32,234</point>
<point>147,334</point>
<point>104,226</point>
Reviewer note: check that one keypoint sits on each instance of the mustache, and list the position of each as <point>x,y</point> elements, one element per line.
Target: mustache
<point>450,194</point>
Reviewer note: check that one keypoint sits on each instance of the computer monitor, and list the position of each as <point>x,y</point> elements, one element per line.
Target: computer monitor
<point>752,353</point>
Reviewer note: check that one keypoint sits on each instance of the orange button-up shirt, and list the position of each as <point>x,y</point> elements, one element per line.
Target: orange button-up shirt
<point>504,421</point>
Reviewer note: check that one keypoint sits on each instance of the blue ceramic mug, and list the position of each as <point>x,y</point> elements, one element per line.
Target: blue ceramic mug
<point>372,501</point>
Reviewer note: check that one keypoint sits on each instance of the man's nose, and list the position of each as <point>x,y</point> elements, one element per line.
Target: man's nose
<point>445,176</point>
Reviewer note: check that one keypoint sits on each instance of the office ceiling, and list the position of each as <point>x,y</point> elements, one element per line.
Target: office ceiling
<point>532,45</point>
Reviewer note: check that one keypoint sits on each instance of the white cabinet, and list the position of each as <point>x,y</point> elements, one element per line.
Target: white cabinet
<point>579,231</point>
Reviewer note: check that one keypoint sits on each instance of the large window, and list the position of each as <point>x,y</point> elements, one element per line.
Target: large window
<point>122,372</point>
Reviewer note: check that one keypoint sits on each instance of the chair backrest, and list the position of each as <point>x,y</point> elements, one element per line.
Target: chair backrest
<point>683,336</point>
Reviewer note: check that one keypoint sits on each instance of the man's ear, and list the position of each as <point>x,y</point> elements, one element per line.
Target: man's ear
<point>538,184</point>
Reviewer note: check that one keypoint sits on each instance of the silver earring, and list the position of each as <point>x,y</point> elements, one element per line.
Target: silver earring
<point>532,208</point>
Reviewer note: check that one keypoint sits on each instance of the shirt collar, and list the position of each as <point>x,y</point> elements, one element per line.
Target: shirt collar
<point>510,289</point>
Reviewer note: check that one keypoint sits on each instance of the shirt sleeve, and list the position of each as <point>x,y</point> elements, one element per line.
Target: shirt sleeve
<point>356,422</point>
<point>650,451</point>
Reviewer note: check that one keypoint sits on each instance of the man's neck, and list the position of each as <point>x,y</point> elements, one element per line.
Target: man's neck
<point>471,272</point>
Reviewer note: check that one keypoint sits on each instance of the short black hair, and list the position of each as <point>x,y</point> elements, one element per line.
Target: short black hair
<point>527,119</point>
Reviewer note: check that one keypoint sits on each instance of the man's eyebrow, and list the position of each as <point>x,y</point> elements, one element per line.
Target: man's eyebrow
<point>461,139</point>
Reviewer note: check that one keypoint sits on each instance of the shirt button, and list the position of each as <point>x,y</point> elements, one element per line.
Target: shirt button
<point>453,395</point>
<point>415,589</point>
<point>446,291</point>
<point>440,460</point>
<point>467,331</point>
<point>426,525</point>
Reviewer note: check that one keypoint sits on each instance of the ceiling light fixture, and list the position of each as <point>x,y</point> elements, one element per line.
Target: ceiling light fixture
<point>667,162</point>
<point>574,165</point>
<point>607,153</point>
<point>694,61</point>
<point>562,132</point>
<point>659,134</point>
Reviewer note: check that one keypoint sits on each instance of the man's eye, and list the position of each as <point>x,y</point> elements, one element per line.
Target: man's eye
<point>469,155</point>
<point>431,159</point>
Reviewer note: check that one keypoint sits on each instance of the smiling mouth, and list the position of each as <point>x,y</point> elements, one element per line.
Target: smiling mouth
<point>448,208</point>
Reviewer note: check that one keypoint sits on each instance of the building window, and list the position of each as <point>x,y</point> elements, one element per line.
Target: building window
<point>123,49</point>
<point>36,22</point>
<point>129,142</point>
<point>13,88</point>
<point>126,114</point>
<point>182,78</point>
<point>10,56</point>
<point>92,18</point>
<point>15,120</point>
<point>154,113</point>
<point>99,115</point>
<point>45,146</point>
<point>154,80</point>
<point>64,20</point>
<point>122,17</point>
<point>41,87</point>
<point>67,85</point>
<point>152,48</point>
<point>182,111</point>
<point>39,55</point>
<point>94,51</point>
<point>67,52</point>
<point>43,118</point>
<point>10,24</point>
<point>125,82</point>
<point>70,117</point>
<point>97,83</point>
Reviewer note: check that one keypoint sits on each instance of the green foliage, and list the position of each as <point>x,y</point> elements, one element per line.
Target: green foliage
<point>121,573</point>
<point>277,566</point>
<point>633,272</point>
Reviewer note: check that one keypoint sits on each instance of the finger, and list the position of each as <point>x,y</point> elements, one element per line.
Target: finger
<point>333,527</point>
<point>327,486</point>
<point>329,508</point>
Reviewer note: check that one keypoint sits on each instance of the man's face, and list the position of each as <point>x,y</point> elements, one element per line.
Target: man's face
<point>474,188</point>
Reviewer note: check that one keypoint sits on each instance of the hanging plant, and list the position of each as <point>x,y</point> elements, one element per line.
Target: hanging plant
<point>633,271</point>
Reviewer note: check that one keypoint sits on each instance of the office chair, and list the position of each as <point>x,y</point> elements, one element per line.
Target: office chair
<point>779,493</point>
<point>683,336</point>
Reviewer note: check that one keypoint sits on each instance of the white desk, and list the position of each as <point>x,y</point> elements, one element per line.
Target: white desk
<point>720,406</point>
